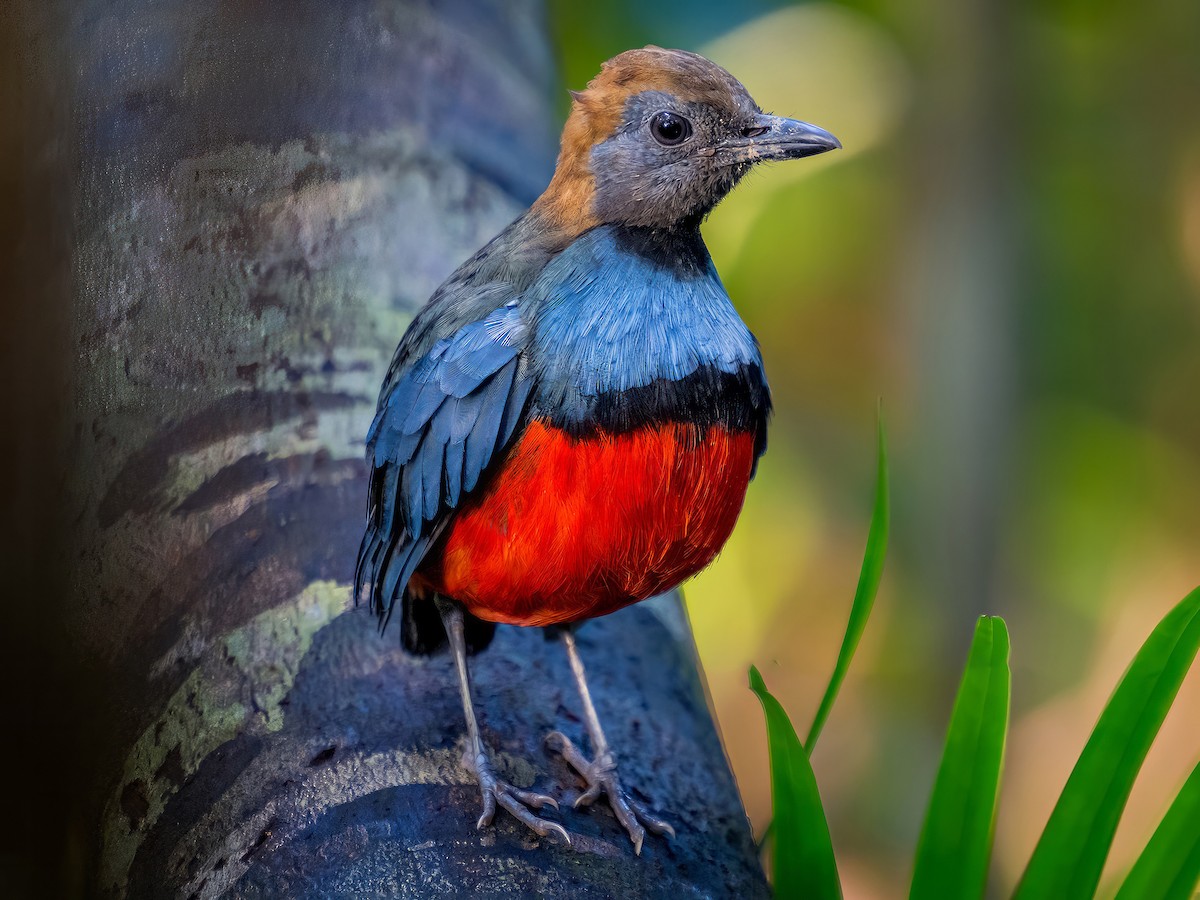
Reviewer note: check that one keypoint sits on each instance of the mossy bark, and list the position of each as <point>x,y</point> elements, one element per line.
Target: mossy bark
<point>265,192</point>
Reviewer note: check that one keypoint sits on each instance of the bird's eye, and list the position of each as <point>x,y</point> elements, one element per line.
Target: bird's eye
<point>670,129</point>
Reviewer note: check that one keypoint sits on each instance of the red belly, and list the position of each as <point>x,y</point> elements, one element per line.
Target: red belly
<point>571,528</point>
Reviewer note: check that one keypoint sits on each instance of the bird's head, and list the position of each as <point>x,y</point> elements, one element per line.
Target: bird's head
<point>658,138</point>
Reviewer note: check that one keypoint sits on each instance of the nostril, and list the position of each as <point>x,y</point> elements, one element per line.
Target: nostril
<point>753,131</point>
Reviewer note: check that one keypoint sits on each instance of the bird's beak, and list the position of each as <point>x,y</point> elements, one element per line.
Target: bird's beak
<point>775,137</point>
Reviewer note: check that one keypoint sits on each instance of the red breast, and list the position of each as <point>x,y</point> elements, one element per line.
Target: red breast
<point>574,527</point>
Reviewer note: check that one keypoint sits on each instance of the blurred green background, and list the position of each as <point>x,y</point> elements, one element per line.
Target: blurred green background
<point>1007,253</point>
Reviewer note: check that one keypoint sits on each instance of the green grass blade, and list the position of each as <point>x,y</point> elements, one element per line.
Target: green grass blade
<point>768,835</point>
<point>1169,867</point>
<point>956,840</point>
<point>804,865</point>
<point>864,595</point>
<point>1070,855</point>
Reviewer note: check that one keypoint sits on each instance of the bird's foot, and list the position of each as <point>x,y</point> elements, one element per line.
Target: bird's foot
<point>516,801</point>
<point>601,777</point>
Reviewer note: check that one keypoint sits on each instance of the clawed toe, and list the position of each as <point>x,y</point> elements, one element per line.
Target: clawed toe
<point>516,801</point>
<point>600,775</point>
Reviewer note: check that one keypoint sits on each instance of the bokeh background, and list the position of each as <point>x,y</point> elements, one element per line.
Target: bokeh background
<point>1007,255</point>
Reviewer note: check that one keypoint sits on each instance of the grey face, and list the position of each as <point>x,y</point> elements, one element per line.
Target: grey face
<point>671,161</point>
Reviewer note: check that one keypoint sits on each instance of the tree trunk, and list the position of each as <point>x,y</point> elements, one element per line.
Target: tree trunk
<point>263,194</point>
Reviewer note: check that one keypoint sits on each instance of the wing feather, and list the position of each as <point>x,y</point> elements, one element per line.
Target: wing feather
<point>456,454</point>
<point>481,442</point>
<point>438,429</point>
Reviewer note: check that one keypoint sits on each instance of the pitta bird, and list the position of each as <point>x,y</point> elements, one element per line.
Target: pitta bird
<point>570,424</point>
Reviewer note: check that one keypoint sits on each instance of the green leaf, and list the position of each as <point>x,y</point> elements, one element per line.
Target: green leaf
<point>768,835</point>
<point>804,865</point>
<point>1070,855</point>
<point>864,595</point>
<point>956,840</point>
<point>1169,867</point>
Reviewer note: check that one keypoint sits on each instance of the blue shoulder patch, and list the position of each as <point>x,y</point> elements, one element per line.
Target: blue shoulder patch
<point>434,435</point>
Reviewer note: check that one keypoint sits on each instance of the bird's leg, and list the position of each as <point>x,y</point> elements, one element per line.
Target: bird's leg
<point>600,772</point>
<point>476,758</point>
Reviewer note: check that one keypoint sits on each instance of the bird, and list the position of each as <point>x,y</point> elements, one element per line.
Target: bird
<point>569,425</point>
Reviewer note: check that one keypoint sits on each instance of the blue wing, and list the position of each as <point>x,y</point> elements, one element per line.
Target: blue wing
<point>438,427</point>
